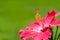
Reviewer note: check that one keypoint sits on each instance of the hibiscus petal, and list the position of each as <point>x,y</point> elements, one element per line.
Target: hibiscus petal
<point>33,25</point>
<point>50,17</point>
<point>25,34</point>
<point>37,36</point>
<point>42,35</point>
<point>47,34</point>
<point>55,23</point>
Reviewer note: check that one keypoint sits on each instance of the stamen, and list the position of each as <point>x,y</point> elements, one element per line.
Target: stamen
<point>37,17</point>
<point>37,10</point>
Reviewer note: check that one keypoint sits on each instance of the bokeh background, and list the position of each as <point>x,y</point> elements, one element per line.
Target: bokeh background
<point>17,14</point>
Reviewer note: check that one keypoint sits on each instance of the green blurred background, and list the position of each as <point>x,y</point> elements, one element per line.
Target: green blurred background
<point>17,14</point>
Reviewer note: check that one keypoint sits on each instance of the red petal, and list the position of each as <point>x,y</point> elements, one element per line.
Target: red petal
<point>55,23</point>
<point>50,17</point>
<point>25,34</point>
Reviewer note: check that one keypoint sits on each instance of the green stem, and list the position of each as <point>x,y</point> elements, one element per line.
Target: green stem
<point>56,34</point>
<point>52,35</point>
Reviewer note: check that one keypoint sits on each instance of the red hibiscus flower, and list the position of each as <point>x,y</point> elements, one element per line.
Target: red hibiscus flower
<point>40,30</point>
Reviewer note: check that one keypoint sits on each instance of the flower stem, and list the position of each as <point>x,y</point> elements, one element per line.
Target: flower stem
<point>56,34</point>
<point>52,35</point>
